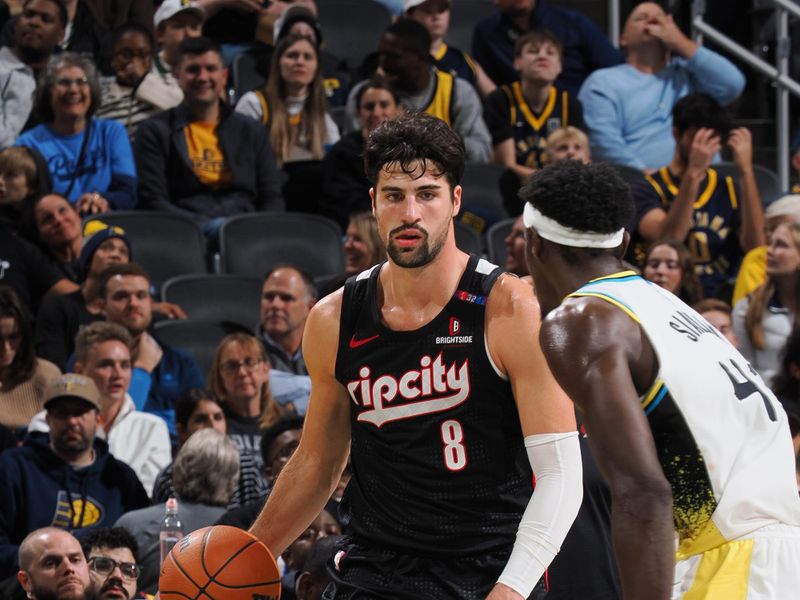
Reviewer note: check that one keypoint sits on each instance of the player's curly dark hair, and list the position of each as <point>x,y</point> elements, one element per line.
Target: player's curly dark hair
<point>411,138</point>
<point>589,197</point>
<point>700,110</point>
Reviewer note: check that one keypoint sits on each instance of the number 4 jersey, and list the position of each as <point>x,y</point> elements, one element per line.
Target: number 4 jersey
<point>439,467</point>
<point>722,437</point>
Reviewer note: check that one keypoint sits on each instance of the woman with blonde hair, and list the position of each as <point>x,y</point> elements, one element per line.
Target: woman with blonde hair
<point>292,105</point>
<point>240,379</point>
<point>764,320</point>
<point>362,244</point>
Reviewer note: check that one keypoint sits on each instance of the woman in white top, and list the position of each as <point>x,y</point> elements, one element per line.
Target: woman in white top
<point>292,105</point>
<point>764,320</point>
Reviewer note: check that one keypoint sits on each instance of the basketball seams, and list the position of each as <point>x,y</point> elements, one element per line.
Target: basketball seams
<point>185,574</point>
<point>213,577</point>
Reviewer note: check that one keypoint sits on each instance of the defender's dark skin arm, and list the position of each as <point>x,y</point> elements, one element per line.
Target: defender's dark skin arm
<point>601,357</point>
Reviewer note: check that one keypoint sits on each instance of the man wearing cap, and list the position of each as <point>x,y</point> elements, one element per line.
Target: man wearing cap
<point>60,317</point>
<point>175,20</point>
<point>139,439</point>
<point>66,478</point>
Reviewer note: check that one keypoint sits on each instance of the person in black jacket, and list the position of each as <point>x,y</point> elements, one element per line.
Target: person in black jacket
<point>66,478</point>
<point>200,159</point>
<point>345,188</point>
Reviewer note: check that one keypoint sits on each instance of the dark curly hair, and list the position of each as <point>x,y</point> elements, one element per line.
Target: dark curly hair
<point>108,537</point>
<point>589,197</point>
<point>415,137</point>
<point>700,110</point>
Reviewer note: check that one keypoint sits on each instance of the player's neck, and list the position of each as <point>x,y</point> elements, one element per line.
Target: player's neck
<point>570,277</point>
<point>409,298</point>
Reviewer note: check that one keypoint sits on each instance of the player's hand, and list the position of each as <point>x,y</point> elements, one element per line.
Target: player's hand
<point>705,146</point>
<point>148,353</point>
<point>91,204</point>
<point>740,141</point>
<point>501,591</point>
<point>170,310</point>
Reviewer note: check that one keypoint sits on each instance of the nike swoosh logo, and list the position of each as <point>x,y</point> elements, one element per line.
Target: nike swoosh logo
<point>354,343</point>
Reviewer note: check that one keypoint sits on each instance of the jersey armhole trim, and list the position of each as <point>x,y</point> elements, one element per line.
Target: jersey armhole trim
<point>497,370</point>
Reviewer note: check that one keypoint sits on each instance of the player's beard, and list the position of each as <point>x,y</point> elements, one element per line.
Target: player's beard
<point>423,254</point>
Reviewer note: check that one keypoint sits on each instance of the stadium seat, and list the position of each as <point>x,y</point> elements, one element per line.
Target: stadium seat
<point>163,243</point>
<point>196,337</point>
<point>254,243</point>
<point>496,241</point>
<point>216,298</point>
<point>482,199</point>
<point>246,75</point>
<point>467,239</point>
<point>464,16</point>
<point>769,187</point>
<point>352,28</point>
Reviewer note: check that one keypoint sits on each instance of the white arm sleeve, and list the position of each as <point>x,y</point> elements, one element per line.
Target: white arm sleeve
<point>556,462</point>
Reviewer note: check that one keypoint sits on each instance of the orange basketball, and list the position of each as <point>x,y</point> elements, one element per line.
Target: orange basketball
<point>219,563</point>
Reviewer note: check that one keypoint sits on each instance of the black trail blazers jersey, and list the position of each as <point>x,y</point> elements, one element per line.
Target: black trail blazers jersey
<point>439,466</point>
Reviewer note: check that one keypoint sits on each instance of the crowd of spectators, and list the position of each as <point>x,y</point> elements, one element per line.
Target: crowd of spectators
<point>143,105</point>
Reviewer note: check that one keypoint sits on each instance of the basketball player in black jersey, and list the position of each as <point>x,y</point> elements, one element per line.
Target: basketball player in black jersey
<point>428,370</point>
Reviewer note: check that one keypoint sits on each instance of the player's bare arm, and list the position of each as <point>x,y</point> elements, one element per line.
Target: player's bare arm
<point>311,475</point>
<point>603,374</point>
<point>547,418</point>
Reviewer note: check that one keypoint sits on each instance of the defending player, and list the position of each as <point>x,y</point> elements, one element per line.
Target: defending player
<point>428,369</point>
<point>683,428</point>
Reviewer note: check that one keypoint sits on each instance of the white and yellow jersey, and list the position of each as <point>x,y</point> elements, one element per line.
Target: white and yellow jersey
<point>722,437</point>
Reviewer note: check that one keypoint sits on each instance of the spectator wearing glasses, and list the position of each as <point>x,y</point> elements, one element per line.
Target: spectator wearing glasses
<point>111,556</point>
<point>90,160</point>
<point>240,379</point>
<point>135,91</point>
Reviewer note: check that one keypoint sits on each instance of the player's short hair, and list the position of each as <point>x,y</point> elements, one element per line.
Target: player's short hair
<point>119,269</point>
<point>413,35</point>
<point>194,46</point>
<point>698,110</point>
<point>108,537</point>
<point>271,433</point>
<point>538,36</point>
<point>589,197</point>
<point>97,333</point>
<point>411,138</point>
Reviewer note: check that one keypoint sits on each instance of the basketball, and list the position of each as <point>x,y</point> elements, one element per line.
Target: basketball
<point>219,563</point>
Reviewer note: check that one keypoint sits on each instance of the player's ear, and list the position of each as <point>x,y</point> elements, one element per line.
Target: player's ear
<point>303,585</point>
<point>623,247</point>
<point>372,199</point>
<point>456,200</point>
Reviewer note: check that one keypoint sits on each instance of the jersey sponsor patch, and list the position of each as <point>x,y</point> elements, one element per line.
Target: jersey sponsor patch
<point>468,297</point>
<point>432,388</point>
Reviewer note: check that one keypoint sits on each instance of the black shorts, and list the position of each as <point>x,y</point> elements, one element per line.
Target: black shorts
<point>360,572</point>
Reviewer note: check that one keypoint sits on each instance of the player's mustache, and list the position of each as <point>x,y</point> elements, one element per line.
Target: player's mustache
<point>403,228</point>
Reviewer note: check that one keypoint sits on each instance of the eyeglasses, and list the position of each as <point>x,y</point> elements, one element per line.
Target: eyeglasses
<point>105,566</point>
<point>232,367</point>
<point>66,82</point>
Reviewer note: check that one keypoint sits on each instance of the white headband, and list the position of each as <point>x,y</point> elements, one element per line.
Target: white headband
<point>554,231</point>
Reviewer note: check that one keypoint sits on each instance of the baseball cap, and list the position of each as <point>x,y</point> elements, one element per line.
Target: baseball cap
<point>95,233</point>
<point>73,385</point>
<point>170,8</point>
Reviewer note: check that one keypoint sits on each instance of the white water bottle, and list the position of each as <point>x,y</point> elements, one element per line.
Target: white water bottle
<point>171,530</point>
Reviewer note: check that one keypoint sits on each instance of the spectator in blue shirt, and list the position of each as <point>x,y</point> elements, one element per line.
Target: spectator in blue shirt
<point>628,108</point>
<point>586,48</point>
<point>90,160</point>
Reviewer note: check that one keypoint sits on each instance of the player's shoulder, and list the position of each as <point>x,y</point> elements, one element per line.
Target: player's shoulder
<point>511,296</point>
<point>583,326</point>
<point>328,310</point>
